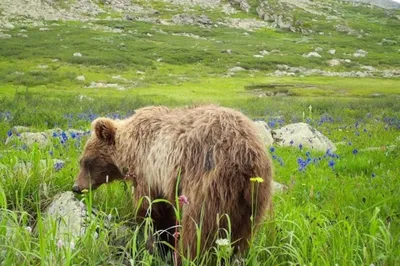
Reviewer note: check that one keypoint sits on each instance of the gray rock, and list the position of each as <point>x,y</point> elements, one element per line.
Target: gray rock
<point>24,168</point>
<point>332,51</point>
<point>388,42</point>
<point>243,4</point>
<point>334,62</point>
<point>278,187</point>
<point>388,4</point>
<point>360,53</point>
<point>8,25</point>
<point>80,78</point>
<point>236,69</point>
<point>69,215</point>
<point>19,129</point>
<point>304,134</point>
<point>186,19</point>
<point>77,54</point>
<point>30,138</point>
<point>5,36</point>
<point>312,54</point>
<point>369,68</point>
<point>264,131</point>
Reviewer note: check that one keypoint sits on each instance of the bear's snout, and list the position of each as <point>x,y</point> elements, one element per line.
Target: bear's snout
<point>76,189</point>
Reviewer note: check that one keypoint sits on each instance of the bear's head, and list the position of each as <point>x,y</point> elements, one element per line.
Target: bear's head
<point>96,163</point>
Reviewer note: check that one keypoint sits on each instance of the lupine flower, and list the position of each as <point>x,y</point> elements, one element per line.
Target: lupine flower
<point>291,142</point>
<point>64,137</point>
<point>59,165</point>
<point>373,175</point>
<point>9,133</point>
<point>300,146</point>
<point>355,151</point>
<point>272,149</point>
<point>331,163</point>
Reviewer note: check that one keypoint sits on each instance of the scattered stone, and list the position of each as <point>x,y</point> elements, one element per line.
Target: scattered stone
<point>24,168</point>
<point>258,56</point>
<point>8,26</point>
<point>334,62</point>
<point>77,54</point>
<point>236,69</point>
<point>22,35</point>
<point>360,53</point>
<point>69,215</point>
<point>80,78</point>
<point>190,35</point>
<point>19,129</point>
<point>44,29</point>
<point>312,54</point>
<point>248,24</point>
<point>304,134</point>
<point>229,51</point>
<point>101,85</point>
<point>243,4</point>
<point>388,42</point>
<point>369,68</point>
<point>277,187</point>
<point>30,138</point>
<point>318,49</point>
<point>186,19</point>
<point>264,52</point>
<point>332,51</point>
<point>346,29</point>
<point>5,36</point>
<point>264,132</point>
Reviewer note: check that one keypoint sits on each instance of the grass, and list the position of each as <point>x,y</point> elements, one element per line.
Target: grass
<point>341,208</point>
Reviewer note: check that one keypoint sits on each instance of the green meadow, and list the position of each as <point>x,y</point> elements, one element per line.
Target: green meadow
<point>340,208</point>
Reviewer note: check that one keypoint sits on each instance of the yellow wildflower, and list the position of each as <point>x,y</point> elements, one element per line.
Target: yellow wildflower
<point>257,179</point>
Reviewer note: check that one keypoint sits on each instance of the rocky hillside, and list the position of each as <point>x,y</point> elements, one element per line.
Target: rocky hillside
<point>380,3</point>
<point>192,38</point>
<point>277,13</point>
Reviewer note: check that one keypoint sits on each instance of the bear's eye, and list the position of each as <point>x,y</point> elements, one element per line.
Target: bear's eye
<point>87,162</point>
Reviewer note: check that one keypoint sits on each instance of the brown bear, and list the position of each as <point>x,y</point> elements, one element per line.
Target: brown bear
<point>214,150</point>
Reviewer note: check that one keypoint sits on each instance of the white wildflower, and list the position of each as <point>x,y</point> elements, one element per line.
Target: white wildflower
<point>59,243</point>
<point>222,242</point>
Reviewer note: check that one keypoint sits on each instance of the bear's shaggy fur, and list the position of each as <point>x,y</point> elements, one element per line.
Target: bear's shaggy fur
<point>215,150</point>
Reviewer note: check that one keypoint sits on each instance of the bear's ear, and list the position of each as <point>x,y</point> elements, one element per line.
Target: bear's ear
<point>104,129</point>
